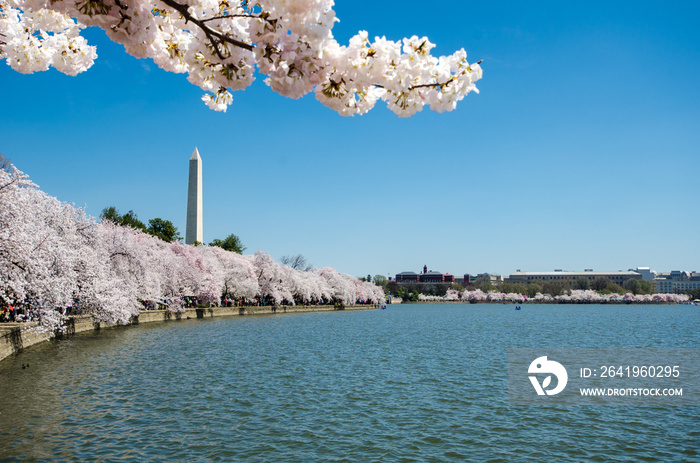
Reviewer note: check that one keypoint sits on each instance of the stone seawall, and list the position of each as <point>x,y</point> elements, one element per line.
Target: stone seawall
<point>14,337</point>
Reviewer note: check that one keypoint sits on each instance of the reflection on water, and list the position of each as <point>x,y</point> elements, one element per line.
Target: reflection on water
<point>411,383</point>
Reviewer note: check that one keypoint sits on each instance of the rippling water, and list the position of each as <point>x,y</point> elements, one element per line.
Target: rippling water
<point>411,383</point>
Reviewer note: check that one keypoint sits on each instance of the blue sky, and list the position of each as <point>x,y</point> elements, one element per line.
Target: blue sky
<point>581,151</point>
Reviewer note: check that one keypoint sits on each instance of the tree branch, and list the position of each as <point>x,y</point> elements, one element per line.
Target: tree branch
<point>435,84</point>
<point>41,243</point>
<point>216,38</point>
<point>231,16</point>
<point>11,182</point>
<point>16,264</point>
<point>122,14</point>
<point>125,254</point>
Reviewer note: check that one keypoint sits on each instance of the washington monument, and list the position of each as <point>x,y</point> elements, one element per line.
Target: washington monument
<point>194,201</point>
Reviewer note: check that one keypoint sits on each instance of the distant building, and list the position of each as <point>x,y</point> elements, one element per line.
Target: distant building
<point>646,273</point>
<point>407,277</point>
<point>464,280</point>
<point>493,279</point>
<point>425,277</point>
<point>676,281</point>
<point>618,277</point>
<point>436,277</point>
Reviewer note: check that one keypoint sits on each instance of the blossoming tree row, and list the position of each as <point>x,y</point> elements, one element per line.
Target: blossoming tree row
<point>574,295</point>
<point>220,44</point>
<point>52,255</point>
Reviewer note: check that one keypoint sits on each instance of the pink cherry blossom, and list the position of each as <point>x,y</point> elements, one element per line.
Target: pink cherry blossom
<point>53,256</point>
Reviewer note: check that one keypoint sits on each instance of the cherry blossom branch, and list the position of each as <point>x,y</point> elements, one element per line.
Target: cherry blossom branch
<point>434,84</point>
<point>16,264</point>
<point>210,33</point>
<point>115,254</point>
<point>122,14</point>
<point>82,229</point>
<point>10,183</point>
<point>297,51</point>
<point>232,16</point>
<point>40,243</point>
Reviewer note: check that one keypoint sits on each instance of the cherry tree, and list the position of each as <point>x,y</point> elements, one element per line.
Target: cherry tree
<point>474,296</point>
<point>375,293</point>
<point>100,291</point>
<point>313,288</point>
<point>239,278</point>
<point>514,297</point>
<point>220,44</point>
<point>54,256</point>
<point>271,278</point>
<point>51,257</point>
<point>342,285</point>
<point>34,261</point>
<point>131,254</point>
<point>452,295</point>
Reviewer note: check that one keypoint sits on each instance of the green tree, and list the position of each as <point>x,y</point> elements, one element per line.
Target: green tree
<point>553,288</point>
<point>230,243</point>
<point>600,283</point>
<point>533,289</point>
<point>380,280</point>
<point>457,287</point>
<point>392,287</point>
<point>582,283</point>
<point>483,282</point>
<point>638,286</point>
<point>111,213</point>
<point>130,219</point>
<point>519,288</point>
<point>632,286</point>
<point>412,296</point>
<point>615,288</point>
<point>163,229</point>
<point>487,286</point>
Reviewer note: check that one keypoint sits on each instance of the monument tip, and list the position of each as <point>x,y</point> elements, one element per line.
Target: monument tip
<point>195,155</point>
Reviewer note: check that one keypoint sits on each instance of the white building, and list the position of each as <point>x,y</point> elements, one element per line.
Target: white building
<point>618,277</point>
<point>646,273</point>
<point>677,281</point>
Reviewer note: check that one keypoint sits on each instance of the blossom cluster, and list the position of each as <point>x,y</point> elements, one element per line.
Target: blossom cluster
<point>219,44</point>
<point>53,256</point>
<point>574,295</point>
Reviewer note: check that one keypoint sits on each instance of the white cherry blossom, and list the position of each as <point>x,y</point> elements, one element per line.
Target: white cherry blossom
<point>219,44</point>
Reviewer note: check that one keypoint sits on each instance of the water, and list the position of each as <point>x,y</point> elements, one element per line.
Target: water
<point>411,383</point>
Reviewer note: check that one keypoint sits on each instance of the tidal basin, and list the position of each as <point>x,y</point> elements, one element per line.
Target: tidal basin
<point>410,383</point>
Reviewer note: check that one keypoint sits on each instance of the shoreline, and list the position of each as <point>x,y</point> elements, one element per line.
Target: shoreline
<point>15,337</point>
<point>549,302</point>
